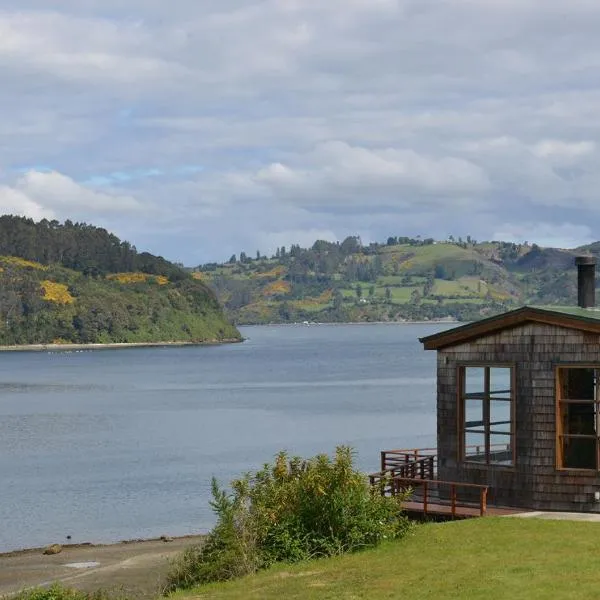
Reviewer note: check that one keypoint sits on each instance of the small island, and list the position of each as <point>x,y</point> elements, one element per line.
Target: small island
<point>65,284</point>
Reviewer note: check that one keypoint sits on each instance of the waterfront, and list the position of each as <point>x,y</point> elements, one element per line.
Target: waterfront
<point>119,444</point>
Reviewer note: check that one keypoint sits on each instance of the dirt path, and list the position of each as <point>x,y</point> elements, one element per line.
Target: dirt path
<point>137,568</point>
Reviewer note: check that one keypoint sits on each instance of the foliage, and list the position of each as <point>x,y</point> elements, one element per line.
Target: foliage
<point>291,510</point>
<point>44,303</point>
<point>78,246</point>
<point>59,592</point>
<point>406,278</point>
<point>56,292</point>
<point>493,558</point>
<point>139,278</point>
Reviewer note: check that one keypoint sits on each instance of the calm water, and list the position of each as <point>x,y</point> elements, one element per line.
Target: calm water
<point>112,445</point>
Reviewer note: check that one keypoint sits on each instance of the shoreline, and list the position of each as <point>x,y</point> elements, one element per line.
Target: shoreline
<point>112,346</point>
<point>140,566</point>
<point>312,323</point>
<point>37,550</point>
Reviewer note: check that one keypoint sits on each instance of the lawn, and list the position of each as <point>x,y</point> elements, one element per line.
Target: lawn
<point>480,559</point>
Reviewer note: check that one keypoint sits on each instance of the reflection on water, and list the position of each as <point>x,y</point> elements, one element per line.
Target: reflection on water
<point>111,445</point>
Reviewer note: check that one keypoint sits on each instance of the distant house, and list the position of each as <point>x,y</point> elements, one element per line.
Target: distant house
<point>518,410</point>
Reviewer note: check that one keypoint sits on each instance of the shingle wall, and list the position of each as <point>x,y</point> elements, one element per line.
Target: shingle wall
<point>533,482</point>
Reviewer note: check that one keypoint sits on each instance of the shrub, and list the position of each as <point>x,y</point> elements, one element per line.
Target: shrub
<point>290,510</point>
<point>59,592</point>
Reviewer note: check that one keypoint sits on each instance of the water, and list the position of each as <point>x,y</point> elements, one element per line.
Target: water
<point>122,444</point>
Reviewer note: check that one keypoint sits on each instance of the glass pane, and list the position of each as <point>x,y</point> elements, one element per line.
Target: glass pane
<point>474,446</point>
<point>474,414</point>
<point>579,453</point>
<point>577,384</point>
<point>579,418</point>
<point>501,449</point>
<point>500,417</point>
<point>500,382</point>
<point>474,381</point>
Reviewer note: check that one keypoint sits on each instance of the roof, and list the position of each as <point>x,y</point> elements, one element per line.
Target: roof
<point>571,317</point>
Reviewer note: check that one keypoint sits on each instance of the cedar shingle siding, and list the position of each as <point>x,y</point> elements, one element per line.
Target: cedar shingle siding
<point>535,350</point>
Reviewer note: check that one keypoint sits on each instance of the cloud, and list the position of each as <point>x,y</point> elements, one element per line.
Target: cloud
<point>377,117</point>
<point>49,194</point>
<point>566,235</point>
<point>335,171</point>
<point>15,202</point>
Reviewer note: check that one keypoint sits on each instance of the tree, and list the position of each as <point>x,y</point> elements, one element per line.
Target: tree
<point>233,259</point>
<point>258,255</point>
<point>371,291</point>
<point>440,272</point>
<point>338,300</point>
<point>358,291</point>
<point>388,293</point>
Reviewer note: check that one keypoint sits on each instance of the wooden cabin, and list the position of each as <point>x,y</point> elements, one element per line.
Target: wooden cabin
<point>518,410</point>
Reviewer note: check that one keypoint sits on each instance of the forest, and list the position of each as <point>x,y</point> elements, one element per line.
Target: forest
<point>76,283</point>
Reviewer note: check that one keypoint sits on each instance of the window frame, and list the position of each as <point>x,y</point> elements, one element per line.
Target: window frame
<point>558,401</point>
<point>461,403</point>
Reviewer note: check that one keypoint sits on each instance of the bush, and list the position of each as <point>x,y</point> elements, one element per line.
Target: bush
<point>58,592</point>
<point>291,510</point>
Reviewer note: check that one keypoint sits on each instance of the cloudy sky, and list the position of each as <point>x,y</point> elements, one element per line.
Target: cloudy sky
<point>199,128</point>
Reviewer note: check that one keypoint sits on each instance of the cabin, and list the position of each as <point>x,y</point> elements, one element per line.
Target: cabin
<point>518,414</point>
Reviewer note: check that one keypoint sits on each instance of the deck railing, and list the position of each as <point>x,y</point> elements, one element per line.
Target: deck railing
<point>415,470</point>
<point>431,491</point>
<point>396,460</point>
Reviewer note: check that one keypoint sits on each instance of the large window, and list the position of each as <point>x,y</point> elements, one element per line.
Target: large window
<point>486,425</point>
<point>578,422</point>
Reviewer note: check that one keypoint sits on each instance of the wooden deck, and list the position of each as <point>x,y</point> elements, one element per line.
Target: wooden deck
<point>413,474</point>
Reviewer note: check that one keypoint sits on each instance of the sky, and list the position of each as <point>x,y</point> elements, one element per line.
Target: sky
<point>196,129</point>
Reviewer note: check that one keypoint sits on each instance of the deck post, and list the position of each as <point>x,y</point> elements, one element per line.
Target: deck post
<point>425,497</point>
<point>383,461</point>
<point>483,504</point>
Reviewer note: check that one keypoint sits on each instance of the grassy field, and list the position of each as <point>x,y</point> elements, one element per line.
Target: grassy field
<point>490,558</point>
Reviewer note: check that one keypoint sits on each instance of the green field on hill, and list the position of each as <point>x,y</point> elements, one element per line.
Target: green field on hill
<point>403,279</point>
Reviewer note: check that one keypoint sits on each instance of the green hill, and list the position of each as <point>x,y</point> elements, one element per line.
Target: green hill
<point>403,279</point>
<point>74,283</point>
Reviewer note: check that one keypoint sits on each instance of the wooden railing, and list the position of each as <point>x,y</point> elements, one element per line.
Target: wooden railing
<point>396,460</point>
<point>401,485</point>
<point>415,470</point>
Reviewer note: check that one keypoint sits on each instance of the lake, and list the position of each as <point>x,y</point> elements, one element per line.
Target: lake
<point>120,444</point>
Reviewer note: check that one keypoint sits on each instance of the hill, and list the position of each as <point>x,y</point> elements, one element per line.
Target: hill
<point>402,279</point>
<point>75,283</point>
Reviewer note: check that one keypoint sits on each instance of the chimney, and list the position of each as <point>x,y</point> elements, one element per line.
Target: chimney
<point>586,281</point>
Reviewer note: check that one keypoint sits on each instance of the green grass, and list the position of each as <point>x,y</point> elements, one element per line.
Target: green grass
<point>482,559</point>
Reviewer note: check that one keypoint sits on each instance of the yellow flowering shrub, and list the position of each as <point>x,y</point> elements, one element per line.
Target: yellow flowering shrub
<point>277,271</point>
<point>277,288</point>
<point>57,292</point>
<point>21,262</point>
<point>137,278</point>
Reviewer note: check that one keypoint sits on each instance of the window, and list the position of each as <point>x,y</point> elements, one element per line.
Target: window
<point>486,417</point>
<point>578,425</point>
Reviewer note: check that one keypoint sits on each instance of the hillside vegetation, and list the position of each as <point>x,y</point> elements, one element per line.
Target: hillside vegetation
<point>74,283</point>
<point>402,279</point>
